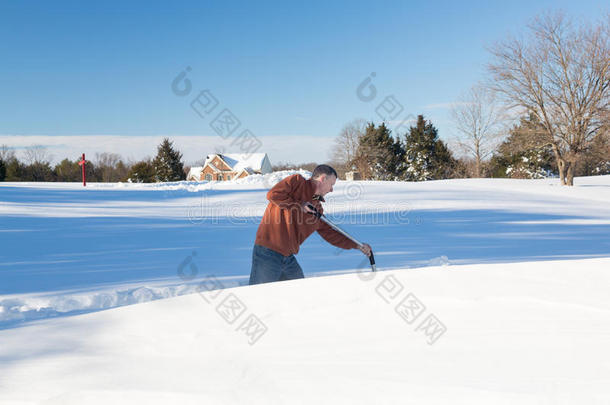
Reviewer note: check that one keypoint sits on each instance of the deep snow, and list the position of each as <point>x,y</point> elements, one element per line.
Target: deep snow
<point>69,249</point>
<point>510,279</point>
<point>515,333</point>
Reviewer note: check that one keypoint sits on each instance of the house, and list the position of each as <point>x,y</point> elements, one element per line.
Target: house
<point>230,166</point>
<point>194,173</point>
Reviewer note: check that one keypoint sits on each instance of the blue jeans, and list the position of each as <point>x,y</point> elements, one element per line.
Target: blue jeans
<point>269,265</point>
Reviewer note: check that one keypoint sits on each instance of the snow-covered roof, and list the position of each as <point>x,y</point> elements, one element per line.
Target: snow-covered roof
<point>247,170</point>
<point>195,172</point>
<point>238,161</point>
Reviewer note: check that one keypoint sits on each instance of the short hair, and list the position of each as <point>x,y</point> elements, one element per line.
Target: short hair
<point>323,169</point>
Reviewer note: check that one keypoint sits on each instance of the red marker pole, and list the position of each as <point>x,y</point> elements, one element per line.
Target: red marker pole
<point>82,164</point>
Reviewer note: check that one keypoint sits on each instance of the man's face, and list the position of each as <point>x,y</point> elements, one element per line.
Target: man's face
<point>326,184</point>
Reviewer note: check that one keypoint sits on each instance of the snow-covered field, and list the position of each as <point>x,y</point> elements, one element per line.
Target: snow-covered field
<point>493,291</point>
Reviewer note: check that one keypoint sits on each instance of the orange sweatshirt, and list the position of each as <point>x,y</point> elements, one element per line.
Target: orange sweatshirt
<point>285,226</point>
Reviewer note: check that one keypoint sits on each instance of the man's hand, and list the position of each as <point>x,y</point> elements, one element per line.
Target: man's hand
<point>306,207</point>
<point>366,249</point>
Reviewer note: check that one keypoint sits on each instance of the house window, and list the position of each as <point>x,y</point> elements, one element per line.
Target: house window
<point>208,177</point>
<point>228,177</point>
<point>220,177</point>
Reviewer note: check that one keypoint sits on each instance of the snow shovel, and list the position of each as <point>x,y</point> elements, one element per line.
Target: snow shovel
<point>342,232</point>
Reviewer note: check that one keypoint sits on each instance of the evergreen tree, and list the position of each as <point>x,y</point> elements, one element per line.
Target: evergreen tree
<point>378,154</point>
<point>71,171</point>
<point>445,164</point>
<point>426,157</point>
<point>2,170</point>
<point>142,172</point>
<point>596,159</point>
<point>120,171</point>
<point>38,171</point>
<point>15,170</point>
<point>167,164</point>
<point>525,154</point>
<point>68,171</point>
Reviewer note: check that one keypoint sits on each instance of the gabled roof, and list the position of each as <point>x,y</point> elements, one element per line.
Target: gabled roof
<point>213,167</point>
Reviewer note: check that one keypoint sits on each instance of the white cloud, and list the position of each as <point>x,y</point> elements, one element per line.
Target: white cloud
<point>290,148</point>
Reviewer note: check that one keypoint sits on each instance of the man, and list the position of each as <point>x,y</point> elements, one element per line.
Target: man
<point>288,221</point>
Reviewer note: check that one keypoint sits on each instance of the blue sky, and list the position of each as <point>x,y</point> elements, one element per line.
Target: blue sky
<point>284,69</point>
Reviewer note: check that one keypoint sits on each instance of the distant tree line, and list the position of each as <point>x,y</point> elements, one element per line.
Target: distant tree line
<point>419,155</point>
<point>309,166</point>
<point>105,167</point>
<point>377,154</point>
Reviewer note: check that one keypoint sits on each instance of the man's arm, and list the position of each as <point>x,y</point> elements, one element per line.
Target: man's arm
<point>335,238</point>
<point>282,194</point>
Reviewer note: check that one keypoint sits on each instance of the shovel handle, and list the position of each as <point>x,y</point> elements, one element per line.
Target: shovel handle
<point>372,261</point>
<point>335,227</point>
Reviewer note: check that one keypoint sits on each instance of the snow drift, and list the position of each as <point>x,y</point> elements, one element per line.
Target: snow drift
<point>526,333</point>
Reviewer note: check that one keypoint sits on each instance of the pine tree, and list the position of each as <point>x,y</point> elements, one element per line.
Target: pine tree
<point>596,159</point>
<point>525,154</point>
<point>38,171</point>
<point>142,172</point>
<point>15,170</point>
<point>2,170</point>
<point>69,171</point>
<point>445,165</point>
<point>426,157</point>
<point>378,153</point>
<point>167,164</point>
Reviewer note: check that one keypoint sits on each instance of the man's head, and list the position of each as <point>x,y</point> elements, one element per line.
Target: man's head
<point>324,178</point>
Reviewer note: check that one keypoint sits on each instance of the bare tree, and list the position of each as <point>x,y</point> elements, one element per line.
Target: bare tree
<point>107,163</point>
<point>38,162</point>
<point>346,144</point>
<point>6,153</point>
<point>36,154</point>
<point>562,75</point>
<point>478,118</point>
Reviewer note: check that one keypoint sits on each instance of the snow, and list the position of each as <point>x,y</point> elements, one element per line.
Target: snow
<point>515,333</point>
<point>239,161</point>
<point>253,161</point>
<point>194,173</point>
<point>105,295</point>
